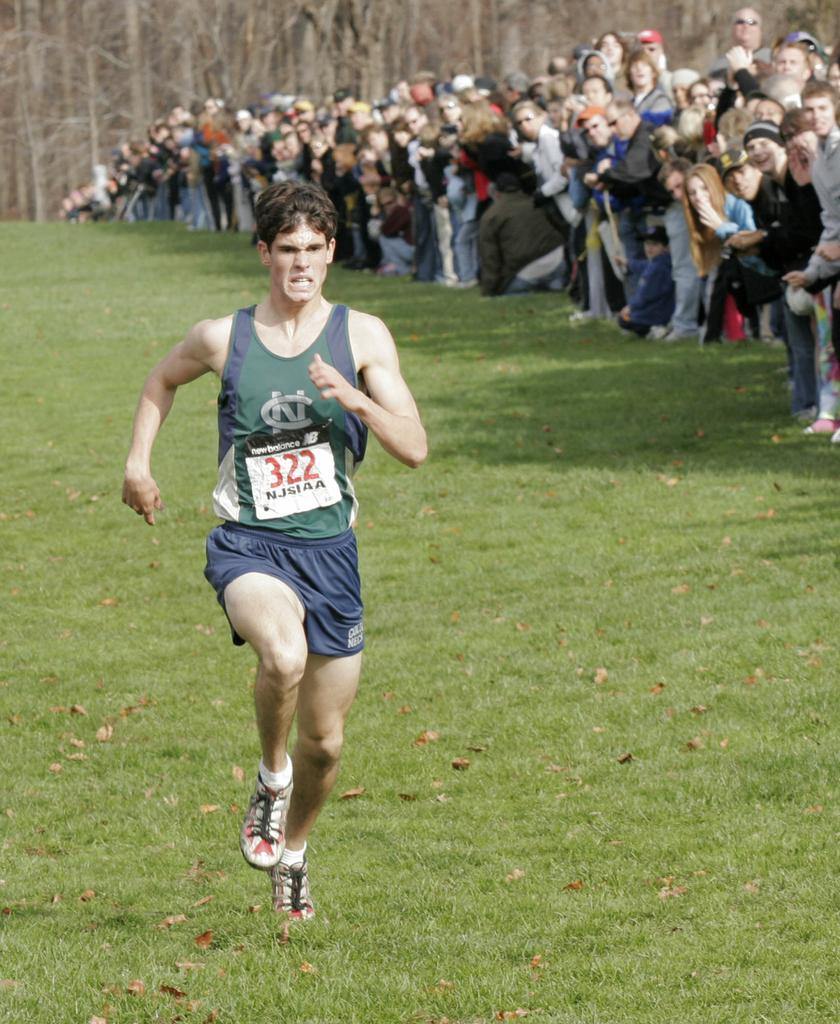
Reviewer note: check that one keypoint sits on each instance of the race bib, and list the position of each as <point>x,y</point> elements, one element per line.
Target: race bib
<point>292,472</point>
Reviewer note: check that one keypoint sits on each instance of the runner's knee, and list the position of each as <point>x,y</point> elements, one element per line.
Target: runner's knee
<point>323,748</point>
<point>282,665</point>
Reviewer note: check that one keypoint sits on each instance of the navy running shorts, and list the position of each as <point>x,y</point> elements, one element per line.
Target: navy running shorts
<point>323,573</point>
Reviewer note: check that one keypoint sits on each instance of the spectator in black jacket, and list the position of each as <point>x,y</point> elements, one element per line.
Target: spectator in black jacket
<point>634,178</point>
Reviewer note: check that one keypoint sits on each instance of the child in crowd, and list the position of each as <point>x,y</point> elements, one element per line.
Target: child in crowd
<point>652,304</point>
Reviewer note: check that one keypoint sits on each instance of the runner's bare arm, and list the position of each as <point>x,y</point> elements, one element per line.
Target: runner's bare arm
<point>203,349</point>
<point>388,410</point>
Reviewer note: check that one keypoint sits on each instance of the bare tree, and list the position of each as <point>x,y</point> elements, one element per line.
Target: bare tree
<point>140,112</point>
<point>32,104</point>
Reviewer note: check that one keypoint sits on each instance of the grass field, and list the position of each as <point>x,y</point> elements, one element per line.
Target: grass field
<point>612,590</point>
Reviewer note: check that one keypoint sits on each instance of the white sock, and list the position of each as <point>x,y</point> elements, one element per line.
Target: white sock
<point>277,780</point>
<point>293,858</point>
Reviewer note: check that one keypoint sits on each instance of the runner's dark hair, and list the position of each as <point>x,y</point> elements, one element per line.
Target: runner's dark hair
<point>288,204</point>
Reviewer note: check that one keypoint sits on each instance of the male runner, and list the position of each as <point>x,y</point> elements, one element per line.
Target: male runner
<point>302,381</point>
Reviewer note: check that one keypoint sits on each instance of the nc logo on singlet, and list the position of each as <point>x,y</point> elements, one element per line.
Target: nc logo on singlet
<point>286,412</point>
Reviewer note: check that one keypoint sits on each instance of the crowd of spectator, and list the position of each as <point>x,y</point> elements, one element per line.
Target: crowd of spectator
<point>686,203</point>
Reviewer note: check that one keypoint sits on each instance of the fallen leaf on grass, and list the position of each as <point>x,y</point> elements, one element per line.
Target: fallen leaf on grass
<point>657,688</point>
<point>816,809</point>
<point>751,887</point>
<point>601,675</point>
<point>104,733</point>
<point>429,736</point>
<point>189,965</point>
<point>512,1014</point>
<point>204,940</point>
<point>136,987</point>
<point>173,919</point>
<point>307,968</point>
<point>460,764</point>
<point>208,808</point>
<point>238,773</point>
<point>351,794</point>
<point>575,886</point>
<point>681,588</point>
<point>55,768</point>
<point>135,709</point>
<point>515,875</point>
<point>87,896</point>
<point>668,892</point>
<point>443,985</point>
<point>625,758</point>
<point>109,602</point>
<point>204,901</point>
<point>170,990</point>
<point>407,797</point>
<point>696,743</point>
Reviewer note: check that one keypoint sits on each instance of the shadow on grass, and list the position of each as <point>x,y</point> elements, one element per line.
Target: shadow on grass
<point>517,382</point>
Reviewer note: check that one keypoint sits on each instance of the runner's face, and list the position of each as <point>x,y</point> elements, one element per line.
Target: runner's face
<point>298,261</point>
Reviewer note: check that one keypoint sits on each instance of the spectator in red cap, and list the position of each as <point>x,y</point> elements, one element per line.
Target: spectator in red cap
<point>653,42</point>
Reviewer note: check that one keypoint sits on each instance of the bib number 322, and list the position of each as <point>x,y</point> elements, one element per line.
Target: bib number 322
<point>295,480</point>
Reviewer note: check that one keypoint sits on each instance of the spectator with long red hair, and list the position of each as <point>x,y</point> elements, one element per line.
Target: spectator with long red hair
<point>712,215</point>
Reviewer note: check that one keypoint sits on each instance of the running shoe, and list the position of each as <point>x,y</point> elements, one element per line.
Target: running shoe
<point>290,891</point>
<point>263,835</point>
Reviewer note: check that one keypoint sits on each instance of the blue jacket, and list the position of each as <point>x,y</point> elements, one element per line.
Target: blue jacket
<point>653,299</point>
<point>738,216</point>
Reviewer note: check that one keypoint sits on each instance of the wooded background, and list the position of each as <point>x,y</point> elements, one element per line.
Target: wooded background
<point>77,77</point>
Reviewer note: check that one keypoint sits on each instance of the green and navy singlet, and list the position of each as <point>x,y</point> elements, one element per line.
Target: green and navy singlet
<point>287,455</point>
